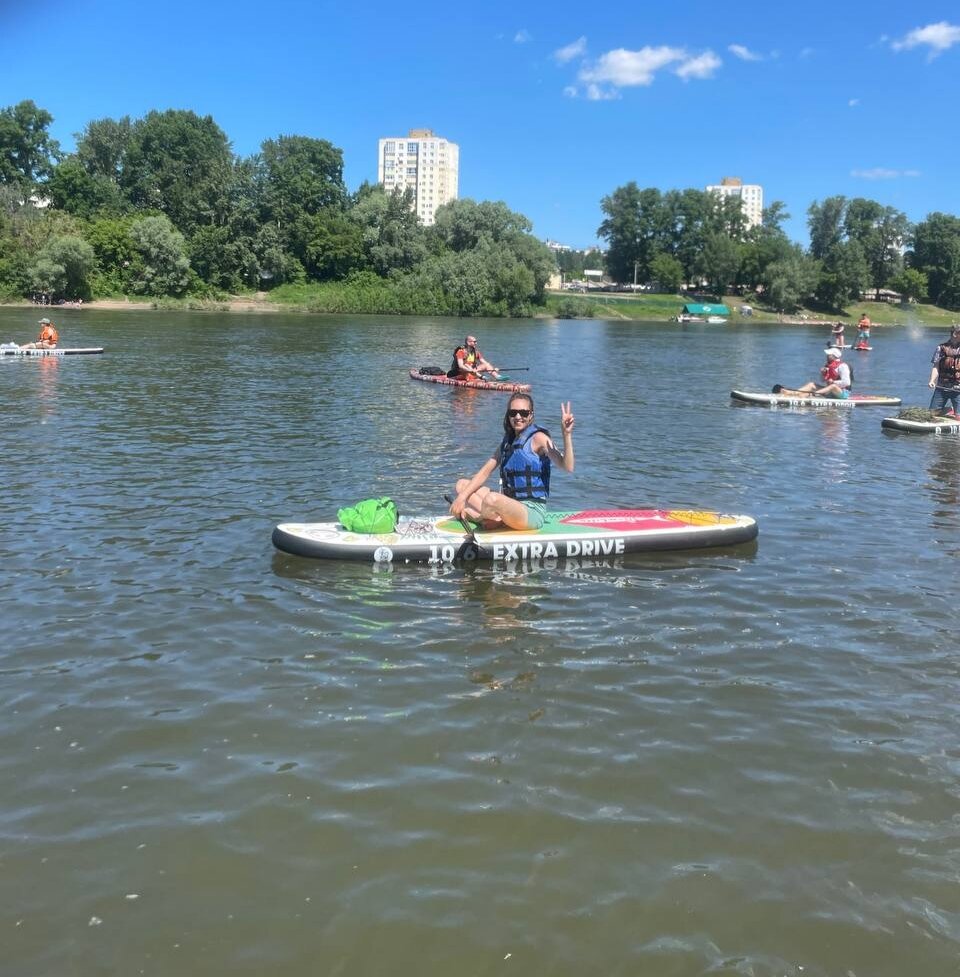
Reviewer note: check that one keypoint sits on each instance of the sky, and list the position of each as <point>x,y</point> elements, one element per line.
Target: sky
<point>553,105</point>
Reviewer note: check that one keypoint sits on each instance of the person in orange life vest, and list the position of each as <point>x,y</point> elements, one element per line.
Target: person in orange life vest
<point>49,337</point>
<point>863,330</point>
<point>837,380</point>
<point>945,375</point>
<point>836,334</point>
<point>468,362</point>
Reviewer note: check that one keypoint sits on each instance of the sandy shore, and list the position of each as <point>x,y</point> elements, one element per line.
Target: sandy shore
<point>254,303</point>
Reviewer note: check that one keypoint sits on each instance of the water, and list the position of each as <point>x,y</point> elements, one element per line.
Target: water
<point>216,759</point>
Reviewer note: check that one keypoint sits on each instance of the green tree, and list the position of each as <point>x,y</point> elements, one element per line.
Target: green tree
<point>666,270</point>
<point>936,253</point>
<point>103,145</point>
<point>300,176</point>
<point>825,222</point>
<point>73,189</point>
<point>719,261</point>
<point>179,164</point>
<point>28,154</point>
<point>393,238</point>
<point>881,232</point>
<point>790,280</point>
<point>911,284</point>
<point>65,266</point>
<point>160,265</point>
<point>844,274</point>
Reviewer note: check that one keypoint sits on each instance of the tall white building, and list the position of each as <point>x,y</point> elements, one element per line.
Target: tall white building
<point>750,194</point>
<point>426,163</point>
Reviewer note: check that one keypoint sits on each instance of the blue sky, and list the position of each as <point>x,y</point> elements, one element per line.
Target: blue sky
<point>553,105</point>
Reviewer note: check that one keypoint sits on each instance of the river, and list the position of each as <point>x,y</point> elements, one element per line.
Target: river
<point>218,759</point>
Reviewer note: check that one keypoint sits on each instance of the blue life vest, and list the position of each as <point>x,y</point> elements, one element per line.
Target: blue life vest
<point>523,473</point>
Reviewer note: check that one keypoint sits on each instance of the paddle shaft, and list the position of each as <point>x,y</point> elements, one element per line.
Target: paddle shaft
<point>470,547</point>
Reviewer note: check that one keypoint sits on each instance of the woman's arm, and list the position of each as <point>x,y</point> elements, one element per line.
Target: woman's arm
<point>563,458</point>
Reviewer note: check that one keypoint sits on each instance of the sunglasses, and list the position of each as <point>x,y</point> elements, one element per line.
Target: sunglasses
<point>519,412</point>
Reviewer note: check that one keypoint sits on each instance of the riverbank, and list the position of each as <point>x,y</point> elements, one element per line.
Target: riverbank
<point>599,305</point>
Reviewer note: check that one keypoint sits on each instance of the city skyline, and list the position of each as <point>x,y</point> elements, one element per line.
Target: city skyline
<point>553,109</point>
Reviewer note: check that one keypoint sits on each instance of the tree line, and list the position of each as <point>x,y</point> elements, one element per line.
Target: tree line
<point>856,244</point>
<point>161,206</point>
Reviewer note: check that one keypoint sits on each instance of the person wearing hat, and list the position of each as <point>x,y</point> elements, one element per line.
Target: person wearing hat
<point>49,337</point>
<point>945,375</point>
<point>837,380</point>
<point>468,362</point>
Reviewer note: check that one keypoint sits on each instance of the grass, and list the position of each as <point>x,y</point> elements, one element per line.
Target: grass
<point>660,308</point>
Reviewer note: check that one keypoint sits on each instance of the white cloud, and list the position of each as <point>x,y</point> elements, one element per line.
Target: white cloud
<point>570,91</point>
<point>575,50</point>
<point>938,37</point>
<point>744,53</point>
<point>626,69</point>
<point>882,173</point>
<point>853,102</point>
<point>521,37</point>
<point>597,94</point>
<point>701,67</point>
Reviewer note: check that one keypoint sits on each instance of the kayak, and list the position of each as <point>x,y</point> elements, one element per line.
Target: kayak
<point>785,400</point>
<point>505,386</point>
<point>944,425</point>
<point>17,351</point>
<point>588,533</point>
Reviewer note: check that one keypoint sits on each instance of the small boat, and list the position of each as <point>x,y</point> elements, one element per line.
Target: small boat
<point>715,320</point>
<point>503,385</point>
<point>9,349</point>
<point>591,533</point>
<point>788,400</point>
<point>683,317</point>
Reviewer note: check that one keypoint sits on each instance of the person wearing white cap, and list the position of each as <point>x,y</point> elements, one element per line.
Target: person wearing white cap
<point>49,337</point>
<point>468,362</point>
<point>945,375</point>
<point>837,380</point>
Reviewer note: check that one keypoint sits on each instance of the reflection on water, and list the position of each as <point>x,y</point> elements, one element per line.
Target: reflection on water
<point>944,489</point>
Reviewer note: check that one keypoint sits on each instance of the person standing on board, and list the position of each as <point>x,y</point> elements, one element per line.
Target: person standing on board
<point>863,330</point>
<point>525,457</point>
<point>468,362</point>
<point>945,375</point>
<point>837,380</point>
<point>49,337</point>
<point>836,334</point>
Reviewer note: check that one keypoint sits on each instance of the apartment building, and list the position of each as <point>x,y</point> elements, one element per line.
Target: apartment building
<point>423,162</point>
<point>750,194</point>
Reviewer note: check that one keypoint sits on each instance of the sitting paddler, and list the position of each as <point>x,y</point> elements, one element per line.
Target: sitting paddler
<point>468,362</point>
<point>837,380</point>
<point>49,337</point>
<point>524,457</point>
<point>945,375</point>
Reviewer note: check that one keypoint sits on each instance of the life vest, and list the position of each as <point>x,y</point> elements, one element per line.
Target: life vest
<point>948,365</point>
<point>49,335</point>
<point>831,372</point>
<point>523,473</point>
<point>471,358</point>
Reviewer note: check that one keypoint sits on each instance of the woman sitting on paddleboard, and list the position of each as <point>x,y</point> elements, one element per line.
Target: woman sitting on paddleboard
<point>837,380</point>
<point>524,457</point>
<point>49,337</point>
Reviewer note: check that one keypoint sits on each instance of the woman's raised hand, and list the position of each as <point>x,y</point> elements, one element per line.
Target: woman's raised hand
<point>566,417</point>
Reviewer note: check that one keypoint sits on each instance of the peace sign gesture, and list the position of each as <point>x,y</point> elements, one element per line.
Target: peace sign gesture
<point>566,417</point>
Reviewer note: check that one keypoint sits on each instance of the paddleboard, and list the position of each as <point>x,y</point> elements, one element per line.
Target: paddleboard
<point>588,533</point>
<point>17,351</point>
<point>505,386</point>
<point>863,349</point>
<point>838,346</point>
<point>944,425</point>
<point>785,400</point>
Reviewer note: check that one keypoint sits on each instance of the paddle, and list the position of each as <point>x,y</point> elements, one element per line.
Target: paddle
<point>470,549</point>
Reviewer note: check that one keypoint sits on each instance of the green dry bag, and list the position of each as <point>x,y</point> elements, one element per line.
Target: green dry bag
<point>369,516</point>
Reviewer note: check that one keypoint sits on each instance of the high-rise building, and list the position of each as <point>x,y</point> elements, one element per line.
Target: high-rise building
<point>750,194</point>
<point>426,164</point>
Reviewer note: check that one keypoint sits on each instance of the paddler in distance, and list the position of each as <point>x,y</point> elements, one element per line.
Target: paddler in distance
<point>468,362</point>
<point>863,331</point>
<point>837,380</point>
<point>524,457</point>
<point>49,337</point>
